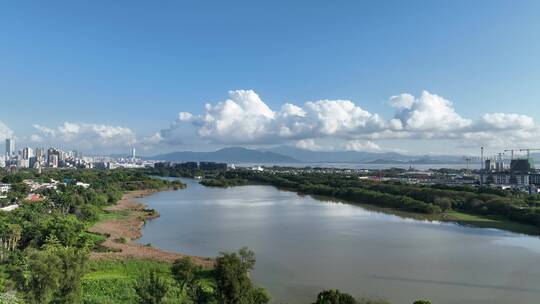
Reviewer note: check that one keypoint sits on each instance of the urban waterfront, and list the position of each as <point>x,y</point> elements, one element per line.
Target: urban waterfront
<point>304,245</point>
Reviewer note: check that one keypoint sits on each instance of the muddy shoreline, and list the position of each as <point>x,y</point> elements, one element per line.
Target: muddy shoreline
<point>122,232</point>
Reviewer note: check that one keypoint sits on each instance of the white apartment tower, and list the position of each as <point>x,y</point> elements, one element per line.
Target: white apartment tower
<point>27,153</point>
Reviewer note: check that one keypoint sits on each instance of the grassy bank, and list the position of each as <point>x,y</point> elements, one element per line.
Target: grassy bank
<point>461,218</point>
<point>112,281</point>
<point>489,222</point>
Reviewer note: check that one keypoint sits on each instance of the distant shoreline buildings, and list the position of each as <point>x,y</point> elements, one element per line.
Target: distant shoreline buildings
<point>38,158</point>
<point>519,173</point>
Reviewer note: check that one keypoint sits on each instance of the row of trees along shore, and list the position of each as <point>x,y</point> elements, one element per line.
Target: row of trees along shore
<point>435,199</point>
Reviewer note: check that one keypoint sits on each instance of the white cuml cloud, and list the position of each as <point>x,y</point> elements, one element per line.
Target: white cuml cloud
<point>309,144</point>
<point>341,117</point>
<point>185,117</point>
<point>427,113</point>
<point>361,145</point>
<point>402,101</point>
<point>244,118</point>
<point>322,125</point>
<point>504,121</point>
<point>5,131</point>
<point>86,135</point>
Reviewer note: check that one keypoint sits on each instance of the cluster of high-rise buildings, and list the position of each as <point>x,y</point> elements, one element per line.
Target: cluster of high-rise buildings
<point>518,173</point>
<point>40,158</point>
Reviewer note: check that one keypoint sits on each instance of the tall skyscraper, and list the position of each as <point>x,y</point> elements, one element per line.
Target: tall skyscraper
<point>27,153</point>
<point>52,160</point>
<point>40,154</point>
<point>133,153</point>
<point>10,147</point>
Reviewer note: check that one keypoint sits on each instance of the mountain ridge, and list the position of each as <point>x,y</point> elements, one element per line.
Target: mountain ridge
<point>231,154</point>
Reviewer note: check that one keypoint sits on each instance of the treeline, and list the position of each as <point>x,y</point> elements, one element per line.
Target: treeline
<point>223,182</point>
<point>415,198</point>
<point>334,296</point>
<point>44,247</point>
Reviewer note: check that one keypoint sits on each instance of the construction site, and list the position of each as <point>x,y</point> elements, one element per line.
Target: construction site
<point>513,168</point>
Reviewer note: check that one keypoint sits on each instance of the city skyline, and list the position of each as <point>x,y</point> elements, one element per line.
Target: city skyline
<point>462,78</point>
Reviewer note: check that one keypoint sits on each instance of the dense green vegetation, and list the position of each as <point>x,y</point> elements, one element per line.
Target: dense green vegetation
<point>437,199</point>
<point>334,296</point>
<point>44,247</point>
<point>223,182</point>
<point>144,281</point>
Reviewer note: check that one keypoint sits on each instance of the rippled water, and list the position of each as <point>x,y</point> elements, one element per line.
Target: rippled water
<point>304,245</point>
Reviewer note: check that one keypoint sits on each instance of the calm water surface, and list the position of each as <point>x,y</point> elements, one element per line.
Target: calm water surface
<point>304,245</point>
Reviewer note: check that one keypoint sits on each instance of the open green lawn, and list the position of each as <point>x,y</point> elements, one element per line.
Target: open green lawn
<point>111,281</point>
<point>462,218</point>
<point>489,222</point>
<point>104,215</point>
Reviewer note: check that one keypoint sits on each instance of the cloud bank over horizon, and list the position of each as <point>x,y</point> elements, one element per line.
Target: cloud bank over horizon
<point>322,125</point>
<point>85,135</point>
<point>245,119</point>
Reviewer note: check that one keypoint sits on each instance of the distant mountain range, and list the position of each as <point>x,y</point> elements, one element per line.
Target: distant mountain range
<point>229,155</point>
<point>286,154</point>
<point>364,157</point>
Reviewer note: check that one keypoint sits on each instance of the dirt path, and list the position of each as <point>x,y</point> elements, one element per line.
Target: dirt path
<point>123,232</point>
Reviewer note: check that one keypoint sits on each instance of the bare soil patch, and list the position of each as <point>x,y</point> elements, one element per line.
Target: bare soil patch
<point>122,233</point>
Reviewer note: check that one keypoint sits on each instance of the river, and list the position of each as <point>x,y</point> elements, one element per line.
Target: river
<point>304,245</point>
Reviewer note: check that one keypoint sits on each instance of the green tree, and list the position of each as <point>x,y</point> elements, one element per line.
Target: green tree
<point>232,279</point>
<point>444,202</point>
<point>422,302</point>
<point>10,234</point>
<point>39,276</point>
<point>334,296</point>
<point>52,274</point>
<point>183,271</point>
<point>151,288</point>
<point>66,229</point>
<point>202,295</point>
<point>72,265</point>
<point>258,295</point>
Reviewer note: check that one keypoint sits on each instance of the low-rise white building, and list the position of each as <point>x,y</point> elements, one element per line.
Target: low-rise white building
<point>5,188</point>
<point>38,186</point>
<point>9,208</point>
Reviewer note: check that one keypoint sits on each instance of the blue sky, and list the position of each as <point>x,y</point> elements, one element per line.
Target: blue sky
<point>137,64</point>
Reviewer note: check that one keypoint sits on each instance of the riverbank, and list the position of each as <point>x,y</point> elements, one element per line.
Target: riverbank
<point>122,224</point>
<point>488,222</point>
<point>450,216</point>
<point>479,207</point>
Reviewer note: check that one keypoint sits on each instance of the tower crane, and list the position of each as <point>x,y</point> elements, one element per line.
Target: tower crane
<point>529,152</point>
<point>511,153</point>
<point>468,160</point>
